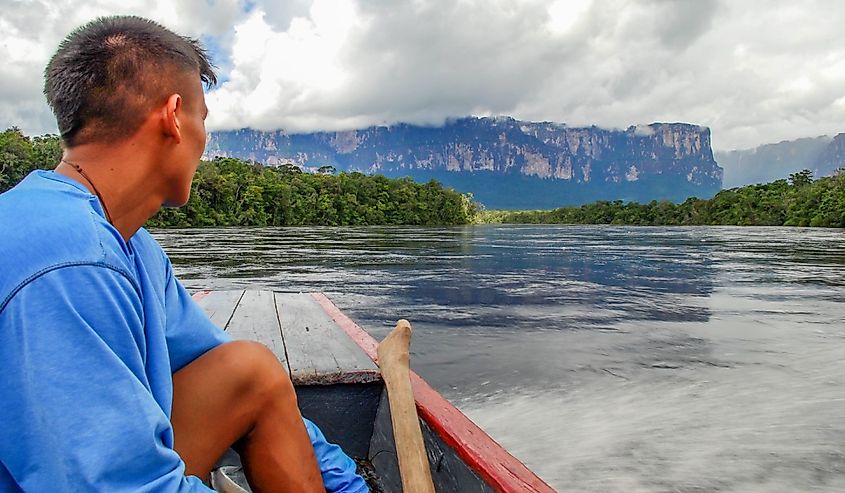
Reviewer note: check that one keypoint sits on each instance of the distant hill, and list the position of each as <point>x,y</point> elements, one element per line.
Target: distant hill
<point>503,162</point>
<point>831,158</point>
<point>821,155</point>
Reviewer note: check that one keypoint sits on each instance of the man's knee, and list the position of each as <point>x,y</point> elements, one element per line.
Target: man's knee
<point>256,370</point>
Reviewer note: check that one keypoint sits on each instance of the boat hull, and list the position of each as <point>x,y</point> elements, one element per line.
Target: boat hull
<point>344,395</point>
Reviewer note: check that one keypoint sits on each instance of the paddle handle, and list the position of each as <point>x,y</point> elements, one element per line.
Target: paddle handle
<point>393,359</point>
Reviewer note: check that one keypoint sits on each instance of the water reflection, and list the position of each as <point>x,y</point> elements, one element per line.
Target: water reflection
<point>607,358</point>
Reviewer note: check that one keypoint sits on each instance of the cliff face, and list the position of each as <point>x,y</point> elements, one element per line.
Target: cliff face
<point>575,165</point>
<point>831,158</point>
<point>821,155</point>
<point>771,162</point>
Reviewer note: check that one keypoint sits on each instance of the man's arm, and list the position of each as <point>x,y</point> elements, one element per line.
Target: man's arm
<point>78,408</point>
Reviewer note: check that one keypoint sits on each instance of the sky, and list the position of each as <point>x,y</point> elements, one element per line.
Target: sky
<point>753,71</point>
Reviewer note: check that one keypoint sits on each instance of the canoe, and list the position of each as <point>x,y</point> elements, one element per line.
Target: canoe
<point>331,361</point>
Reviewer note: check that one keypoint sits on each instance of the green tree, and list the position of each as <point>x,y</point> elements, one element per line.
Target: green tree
<point>801,178</point>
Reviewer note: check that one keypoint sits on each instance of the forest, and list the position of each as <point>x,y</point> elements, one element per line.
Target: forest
<point>796,201</point>
<point>233,192</point>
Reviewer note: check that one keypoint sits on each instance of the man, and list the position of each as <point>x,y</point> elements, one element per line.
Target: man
<point>113,379</point>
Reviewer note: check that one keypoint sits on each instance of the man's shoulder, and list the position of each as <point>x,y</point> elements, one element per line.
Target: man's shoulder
<point>151,256</point>
<point>48,223</point>
<point>143,239</point>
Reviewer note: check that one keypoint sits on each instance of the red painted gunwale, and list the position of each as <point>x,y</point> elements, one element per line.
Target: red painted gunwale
<point>501,470</point>
<point>200,294</point>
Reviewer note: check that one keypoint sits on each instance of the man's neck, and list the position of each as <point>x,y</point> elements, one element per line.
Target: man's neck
<point>120,175</point>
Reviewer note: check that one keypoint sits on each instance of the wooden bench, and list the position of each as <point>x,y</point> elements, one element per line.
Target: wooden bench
<point>295,327</point>
<point>332,375</point>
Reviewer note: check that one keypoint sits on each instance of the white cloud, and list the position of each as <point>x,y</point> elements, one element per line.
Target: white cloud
<point>564,14</point>
<point>30,31</point>
<point>291,70</point>
<point>754,72</point>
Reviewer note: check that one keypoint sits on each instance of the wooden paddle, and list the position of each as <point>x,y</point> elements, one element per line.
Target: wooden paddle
<point>393,360</point>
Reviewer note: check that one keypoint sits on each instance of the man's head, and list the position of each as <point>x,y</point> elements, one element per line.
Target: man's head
<point>108,75</point>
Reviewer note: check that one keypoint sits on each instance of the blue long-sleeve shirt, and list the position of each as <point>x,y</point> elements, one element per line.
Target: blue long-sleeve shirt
<point>92,328</point>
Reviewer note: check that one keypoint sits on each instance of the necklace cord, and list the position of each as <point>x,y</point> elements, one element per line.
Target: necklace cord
<point>94,187</point>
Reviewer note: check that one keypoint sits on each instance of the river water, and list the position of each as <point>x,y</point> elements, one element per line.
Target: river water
<point>605,358</point>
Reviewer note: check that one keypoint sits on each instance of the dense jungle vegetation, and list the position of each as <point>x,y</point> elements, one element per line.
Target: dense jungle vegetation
<point>232,192</point>
<point>797,201</point>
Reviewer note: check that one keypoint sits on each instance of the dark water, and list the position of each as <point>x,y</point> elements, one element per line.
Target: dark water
<point>606,358</point>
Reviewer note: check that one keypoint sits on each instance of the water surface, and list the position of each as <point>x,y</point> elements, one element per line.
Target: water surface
<point>606,358</point>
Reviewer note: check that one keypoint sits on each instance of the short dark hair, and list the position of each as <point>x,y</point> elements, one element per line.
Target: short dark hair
<point>109,74</point>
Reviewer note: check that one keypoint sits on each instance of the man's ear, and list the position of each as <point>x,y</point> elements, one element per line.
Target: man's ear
<point>170,119</point>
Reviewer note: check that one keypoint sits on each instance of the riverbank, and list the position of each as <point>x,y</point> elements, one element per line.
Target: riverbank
<point>798,201</point>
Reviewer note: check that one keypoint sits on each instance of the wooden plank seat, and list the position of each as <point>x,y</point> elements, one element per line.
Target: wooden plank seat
<point>337,385</point>
<point>314,350</point>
